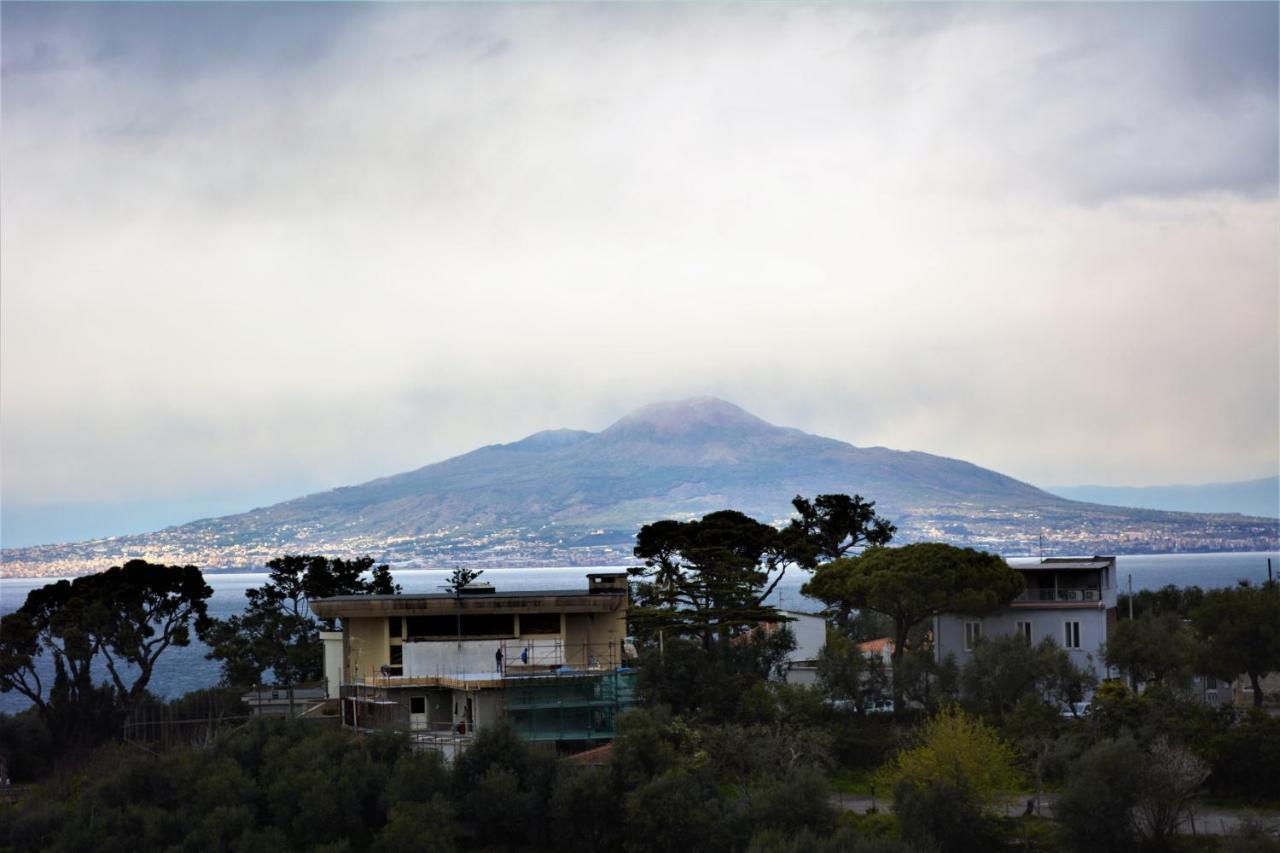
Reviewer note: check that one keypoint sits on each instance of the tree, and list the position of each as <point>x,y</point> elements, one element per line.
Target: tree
<point>277,631</point>
<point>960,751</point>
<point>125,617</point>
<point>848,674</point>
<point>830,526</point>
<point>942,816</point>
<point>1005,669</point>
<point>916,582</point>
<point>708,577</point>
<point>1240,632</point>
<point>461,578</point>
<point>1170,598</point>
<point>1096,806</point>
<point>139,610</point>
<point>1170,775</point>
<point>1153,647</point>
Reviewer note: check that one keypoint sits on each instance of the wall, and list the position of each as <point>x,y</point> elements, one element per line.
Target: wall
<point>368,647</point>
<point>949,631</point>
<point>811,635</point>
<point>450,657</point>
<point>332,661</point>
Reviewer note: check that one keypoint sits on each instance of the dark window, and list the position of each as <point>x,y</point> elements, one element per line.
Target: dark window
<point>397,655</point>
<point>539,623</point>
<point>1073,635</point>
<point>417,705</point>
<point>431,626</point>
<point>489,625</point>
<point>473,625</point>
<point>393,626</point>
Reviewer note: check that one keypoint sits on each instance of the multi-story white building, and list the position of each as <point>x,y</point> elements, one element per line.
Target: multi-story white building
<point>1072,600</point>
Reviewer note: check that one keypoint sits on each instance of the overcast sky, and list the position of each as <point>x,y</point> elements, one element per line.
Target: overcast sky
<point>255,251</point>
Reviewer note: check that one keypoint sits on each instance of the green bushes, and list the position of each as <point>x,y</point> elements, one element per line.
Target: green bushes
<point>1096,805</point>
<point>942,816</point>
<point>295,785</point>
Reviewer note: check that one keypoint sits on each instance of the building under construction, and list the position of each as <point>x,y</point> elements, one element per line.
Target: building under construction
<point>441,666</point>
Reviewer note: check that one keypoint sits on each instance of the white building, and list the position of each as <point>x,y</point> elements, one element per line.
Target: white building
<point>810,631</point>
<point>1069,599</point>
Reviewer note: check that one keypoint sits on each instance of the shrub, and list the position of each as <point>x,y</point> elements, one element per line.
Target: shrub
<point>957,751</point>
<point>942,816</point>
<point>1095,808</point>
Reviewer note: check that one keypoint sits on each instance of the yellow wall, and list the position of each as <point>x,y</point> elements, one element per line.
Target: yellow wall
<point>589,634</point>
<point>368,646</point>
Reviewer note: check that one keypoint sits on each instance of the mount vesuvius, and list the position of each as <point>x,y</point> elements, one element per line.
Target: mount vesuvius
<point>564,497</point>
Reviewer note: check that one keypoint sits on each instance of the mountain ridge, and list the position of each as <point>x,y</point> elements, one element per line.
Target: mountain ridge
<point>540,499</point>
<point>1258,497</point>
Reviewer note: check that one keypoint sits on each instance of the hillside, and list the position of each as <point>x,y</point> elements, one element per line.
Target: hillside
<point>1259,497</point>
<point>570,496</point>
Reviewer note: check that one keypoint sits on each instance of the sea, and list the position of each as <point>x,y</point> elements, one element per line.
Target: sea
<point>183,669</point>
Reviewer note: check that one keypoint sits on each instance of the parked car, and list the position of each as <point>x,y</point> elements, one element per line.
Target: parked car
<point>878,706</point>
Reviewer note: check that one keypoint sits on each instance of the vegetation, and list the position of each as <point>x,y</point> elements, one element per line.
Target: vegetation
<point>277,633</point>
<point>122,619</point>
<point>1155,647</point>
<point>914,583</point>
<point>723,756</point>
<point>1006,670</point>
<point>1240,632</point>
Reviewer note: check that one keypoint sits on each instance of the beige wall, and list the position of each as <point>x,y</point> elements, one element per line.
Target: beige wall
<point>589,634</point>
<point>368,645</point>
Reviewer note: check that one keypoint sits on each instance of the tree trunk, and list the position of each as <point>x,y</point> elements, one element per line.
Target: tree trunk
<point>1257,689</point>
<point>899,652</point>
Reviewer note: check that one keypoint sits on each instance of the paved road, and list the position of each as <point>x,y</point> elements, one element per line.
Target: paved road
<point>1208,821</point>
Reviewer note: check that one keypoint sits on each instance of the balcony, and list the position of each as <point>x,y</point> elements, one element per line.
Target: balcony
<point>1060,596</point>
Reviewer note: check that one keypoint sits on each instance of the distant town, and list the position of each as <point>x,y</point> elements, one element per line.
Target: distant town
<point>998,531</point>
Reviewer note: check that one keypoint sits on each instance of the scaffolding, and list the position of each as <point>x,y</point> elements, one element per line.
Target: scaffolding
<point>549,691</point>
<point>569,705</point>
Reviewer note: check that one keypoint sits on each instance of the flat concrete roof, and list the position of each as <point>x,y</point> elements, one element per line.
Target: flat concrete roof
<point>1052,563</point>
<point>431,603</point>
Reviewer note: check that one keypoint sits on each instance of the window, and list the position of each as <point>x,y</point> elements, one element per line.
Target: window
<point>539,623</point>
<point>972,634</point>
<point>418,705</point>
<point>1072,635</point>
<point>470,625</point>
<point>393,626</point>
<point>397,655</point>
<point>1023,630</point>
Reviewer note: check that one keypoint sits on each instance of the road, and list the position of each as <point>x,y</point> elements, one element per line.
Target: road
<point>1207,820</point>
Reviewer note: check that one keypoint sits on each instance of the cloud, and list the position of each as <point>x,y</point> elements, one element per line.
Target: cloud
<point>246,245</point>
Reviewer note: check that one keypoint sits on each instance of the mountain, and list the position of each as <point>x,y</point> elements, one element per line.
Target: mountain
<point>1249,497</point>
<point>576,497</point>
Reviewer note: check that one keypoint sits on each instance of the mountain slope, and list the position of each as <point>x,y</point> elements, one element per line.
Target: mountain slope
<point>566,496</point>
<point>1259,497</point>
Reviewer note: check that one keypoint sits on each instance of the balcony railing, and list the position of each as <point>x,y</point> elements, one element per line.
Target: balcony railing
<point>1058,595</point>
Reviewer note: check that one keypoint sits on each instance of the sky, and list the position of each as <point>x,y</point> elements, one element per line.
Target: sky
<point>253,251</point>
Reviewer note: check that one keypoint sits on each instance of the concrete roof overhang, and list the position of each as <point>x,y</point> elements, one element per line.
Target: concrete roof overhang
<point>431,604</point>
